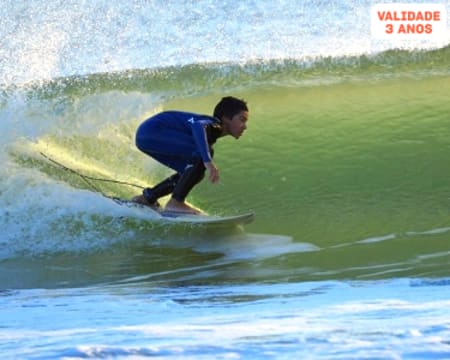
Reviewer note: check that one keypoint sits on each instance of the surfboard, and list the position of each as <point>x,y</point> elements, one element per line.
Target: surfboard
<point>187,219</point>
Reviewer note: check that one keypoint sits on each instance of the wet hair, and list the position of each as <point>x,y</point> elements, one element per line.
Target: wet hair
<point>229,106</point>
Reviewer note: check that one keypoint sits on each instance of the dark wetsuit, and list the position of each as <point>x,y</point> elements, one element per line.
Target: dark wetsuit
<point>182,141</point>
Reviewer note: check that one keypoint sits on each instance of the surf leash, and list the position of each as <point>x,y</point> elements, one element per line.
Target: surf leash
<point>87,179</point>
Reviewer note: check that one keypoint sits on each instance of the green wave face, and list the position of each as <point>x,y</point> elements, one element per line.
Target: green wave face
<point>348,154</point>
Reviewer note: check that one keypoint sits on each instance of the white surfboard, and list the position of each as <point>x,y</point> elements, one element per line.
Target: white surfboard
<point>188,219</point>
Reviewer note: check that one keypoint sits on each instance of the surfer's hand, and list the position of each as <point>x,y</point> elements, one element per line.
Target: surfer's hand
<point>213,172</point>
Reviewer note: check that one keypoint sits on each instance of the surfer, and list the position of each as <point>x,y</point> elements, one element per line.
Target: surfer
<point>183,142</point>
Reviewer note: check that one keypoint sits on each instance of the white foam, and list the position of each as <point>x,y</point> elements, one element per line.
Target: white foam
<point>40,215</point>
<point>436,231</point>
<point>377,239</point>
<point>45,40</point>
<point>253,246</point>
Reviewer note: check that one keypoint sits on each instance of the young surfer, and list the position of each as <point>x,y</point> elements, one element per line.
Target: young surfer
<point>183,142</point>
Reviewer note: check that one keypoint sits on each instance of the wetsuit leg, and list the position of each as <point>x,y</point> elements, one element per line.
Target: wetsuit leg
<point>191,176</point>
<point>164,188</point>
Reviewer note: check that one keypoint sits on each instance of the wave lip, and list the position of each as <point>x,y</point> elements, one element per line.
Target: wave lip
<point>44,41</point>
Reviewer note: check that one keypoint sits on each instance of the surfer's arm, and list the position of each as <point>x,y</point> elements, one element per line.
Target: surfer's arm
<point>201,141</point>
<point>213,172</point>
<point>200,138</point>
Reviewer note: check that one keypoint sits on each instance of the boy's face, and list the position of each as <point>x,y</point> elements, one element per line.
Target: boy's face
<point>237,124</point>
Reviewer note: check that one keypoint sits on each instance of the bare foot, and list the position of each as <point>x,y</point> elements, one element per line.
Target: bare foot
<point>177,206</point>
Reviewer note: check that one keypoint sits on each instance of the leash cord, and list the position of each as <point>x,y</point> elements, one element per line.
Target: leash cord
<point>86,178</point>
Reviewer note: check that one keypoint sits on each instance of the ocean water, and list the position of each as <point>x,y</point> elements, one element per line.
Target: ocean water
<point>345,163</point>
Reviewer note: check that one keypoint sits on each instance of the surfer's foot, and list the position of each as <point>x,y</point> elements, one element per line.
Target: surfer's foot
<point>181,207</point>
<point>143,201</point>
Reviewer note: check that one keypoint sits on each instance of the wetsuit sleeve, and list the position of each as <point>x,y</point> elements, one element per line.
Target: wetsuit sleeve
<point>201,140</point>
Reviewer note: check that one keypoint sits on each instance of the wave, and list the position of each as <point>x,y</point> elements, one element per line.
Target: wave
<point>195,79</point>
<point>43,41</point>
<point>338,159</point>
